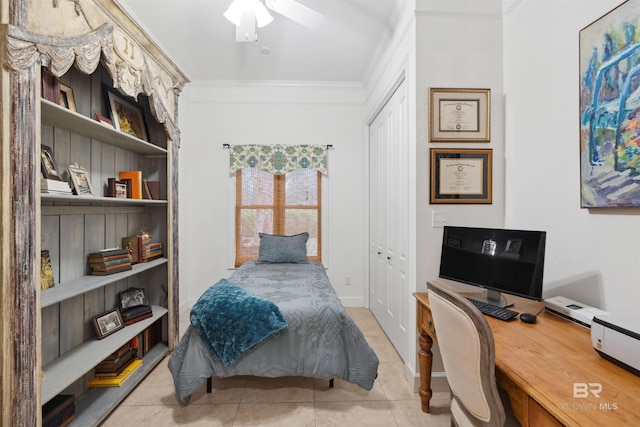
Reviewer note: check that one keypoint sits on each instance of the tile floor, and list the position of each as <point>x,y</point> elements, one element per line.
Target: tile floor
<point>290,401</point>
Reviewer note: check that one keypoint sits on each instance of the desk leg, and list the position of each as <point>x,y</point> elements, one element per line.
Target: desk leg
<point>425,358</point>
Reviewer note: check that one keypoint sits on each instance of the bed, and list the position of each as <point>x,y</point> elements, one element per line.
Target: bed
<point>319,339</point>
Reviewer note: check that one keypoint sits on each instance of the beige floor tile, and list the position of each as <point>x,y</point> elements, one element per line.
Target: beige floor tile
<point>139,415</point>
<point>198,415</point>
<point>344,391</point>
<point>378,413</point>
<point>286,389</point>
<point>276,415</point>
<point>289,401</point>
<point>408,413</point>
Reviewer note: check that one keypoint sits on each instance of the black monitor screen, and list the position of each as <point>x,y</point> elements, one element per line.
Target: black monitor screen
<point>509,261</point>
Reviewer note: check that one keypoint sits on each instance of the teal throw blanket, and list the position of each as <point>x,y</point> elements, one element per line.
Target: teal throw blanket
<point>231,321</point>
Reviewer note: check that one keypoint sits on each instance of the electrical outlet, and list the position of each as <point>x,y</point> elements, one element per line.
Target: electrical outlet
<point>438,219</point>
<point>347,280</point>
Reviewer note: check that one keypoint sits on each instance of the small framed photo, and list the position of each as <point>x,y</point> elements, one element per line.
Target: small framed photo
<point>48,164</point>
<point>103,119</point>
<point>461,115</point>
<point>107,323</point>
<point>132,297</point>
<point>460,175</point>
<point>126,115</point>
<point>66,98</point>
<point>80,180</point>
<point>120,189</point>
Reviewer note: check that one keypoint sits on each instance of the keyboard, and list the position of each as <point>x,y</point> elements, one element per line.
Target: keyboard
<point>494,310</point>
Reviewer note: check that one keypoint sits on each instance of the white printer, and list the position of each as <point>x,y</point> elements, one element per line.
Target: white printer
<point>617,339</point>
<point>577,312</point>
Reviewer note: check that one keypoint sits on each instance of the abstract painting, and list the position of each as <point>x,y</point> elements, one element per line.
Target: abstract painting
<point>610,109</point>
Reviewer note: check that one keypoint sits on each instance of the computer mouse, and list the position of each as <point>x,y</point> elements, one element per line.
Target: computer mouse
<point>528,317</point>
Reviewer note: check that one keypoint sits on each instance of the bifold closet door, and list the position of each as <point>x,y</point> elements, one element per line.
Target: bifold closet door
<point>389,218</point>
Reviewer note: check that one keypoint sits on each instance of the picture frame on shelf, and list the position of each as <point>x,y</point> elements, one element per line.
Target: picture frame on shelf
<point>126,116</point>
<point>67,99</point>
<point>132,297</point>
<point>80,183</point>
<point>107,323</point>
<point>118,189</point>
<point>459,115</point>
<point>460,175</point>
<point>103,119</point>
<point>48,164</point>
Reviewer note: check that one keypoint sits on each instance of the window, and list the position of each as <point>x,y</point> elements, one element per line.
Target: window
<point>277,204</point>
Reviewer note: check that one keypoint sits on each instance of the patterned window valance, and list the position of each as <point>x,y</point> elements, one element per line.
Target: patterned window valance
<point>278,159</point>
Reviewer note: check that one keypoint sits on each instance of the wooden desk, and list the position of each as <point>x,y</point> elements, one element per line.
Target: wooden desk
<point>538,366</point>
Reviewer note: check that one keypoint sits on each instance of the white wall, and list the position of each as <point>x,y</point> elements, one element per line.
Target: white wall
<point>458,46</point>
<point>254,113</point>
<point>592,254</point>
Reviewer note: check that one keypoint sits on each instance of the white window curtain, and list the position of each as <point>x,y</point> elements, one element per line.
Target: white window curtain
<point>278,159</point>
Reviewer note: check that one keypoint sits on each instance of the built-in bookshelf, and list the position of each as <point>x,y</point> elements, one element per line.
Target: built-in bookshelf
<point>90,49</point>
<point>73,226</point>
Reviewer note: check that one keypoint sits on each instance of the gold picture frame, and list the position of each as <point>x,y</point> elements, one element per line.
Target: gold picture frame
<point>459,115</point>
<point>67,99</point>
<point>126,116</point>
<point>461,176</point>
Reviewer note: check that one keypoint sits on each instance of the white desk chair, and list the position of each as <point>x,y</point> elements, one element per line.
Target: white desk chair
<point>468,353</point>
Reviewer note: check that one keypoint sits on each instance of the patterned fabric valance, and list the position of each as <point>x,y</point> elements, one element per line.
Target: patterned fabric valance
<point>278,159</point>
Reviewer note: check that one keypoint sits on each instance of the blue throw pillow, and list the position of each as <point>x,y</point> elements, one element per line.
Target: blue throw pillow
<point>280,249</point>
<point>231,320</point>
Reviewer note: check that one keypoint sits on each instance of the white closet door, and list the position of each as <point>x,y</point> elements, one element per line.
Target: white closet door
<point>389,220</point>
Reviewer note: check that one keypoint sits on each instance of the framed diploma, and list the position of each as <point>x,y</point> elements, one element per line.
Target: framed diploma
<point>460,175</point>
<point>459,115</point>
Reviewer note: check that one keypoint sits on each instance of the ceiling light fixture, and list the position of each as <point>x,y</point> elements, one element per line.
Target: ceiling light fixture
<point>248,15</point>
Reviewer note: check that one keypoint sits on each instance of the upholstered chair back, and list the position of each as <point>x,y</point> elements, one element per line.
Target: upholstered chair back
<point>467,348</point>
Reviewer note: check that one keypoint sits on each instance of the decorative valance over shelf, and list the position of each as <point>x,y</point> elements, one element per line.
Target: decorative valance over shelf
<point>278,159</point>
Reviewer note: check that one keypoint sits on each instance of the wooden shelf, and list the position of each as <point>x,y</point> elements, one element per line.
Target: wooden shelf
<point>61,117</point>
<point>95,200</point>
<point>71,366</point>
<point>96,404</point>
<point>64,291</point>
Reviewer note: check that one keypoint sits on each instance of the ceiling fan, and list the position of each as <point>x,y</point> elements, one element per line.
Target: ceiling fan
<point>248,15</point>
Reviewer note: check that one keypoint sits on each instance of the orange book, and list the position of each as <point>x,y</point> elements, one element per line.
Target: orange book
<point>136,182</point>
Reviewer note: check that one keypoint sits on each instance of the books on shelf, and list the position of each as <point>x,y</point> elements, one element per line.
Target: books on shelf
<point>46,271</point>
<point>151,251</point>
<point>53,186</point>
<point>113,365</point>
<point>59,411</point>
<point>118,380</point>
<point>150,189</point>
<point>109,261</point>
<point>135,314</point>
<point>136,182</point>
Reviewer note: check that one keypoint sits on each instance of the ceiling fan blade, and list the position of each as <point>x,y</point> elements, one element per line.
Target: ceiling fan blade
<point>297,12</point>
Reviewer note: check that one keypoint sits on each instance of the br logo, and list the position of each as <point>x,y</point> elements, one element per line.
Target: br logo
<point>582,390</point>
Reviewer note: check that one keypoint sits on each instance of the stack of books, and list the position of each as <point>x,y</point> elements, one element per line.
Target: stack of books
<point>118,380</point>
<point>151,251</point>
<point>59,411</point>
<point>115,369</point>
<point>109,261</point>
<point>53,186</point>
<point>135,314</point>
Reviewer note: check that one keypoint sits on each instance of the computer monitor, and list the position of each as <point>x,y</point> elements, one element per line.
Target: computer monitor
<point>499,260</point>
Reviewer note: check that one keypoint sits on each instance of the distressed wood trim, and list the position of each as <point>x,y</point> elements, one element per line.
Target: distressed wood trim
<point>23,245</point>
<point>25,49</point>
<point>172,236</point>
